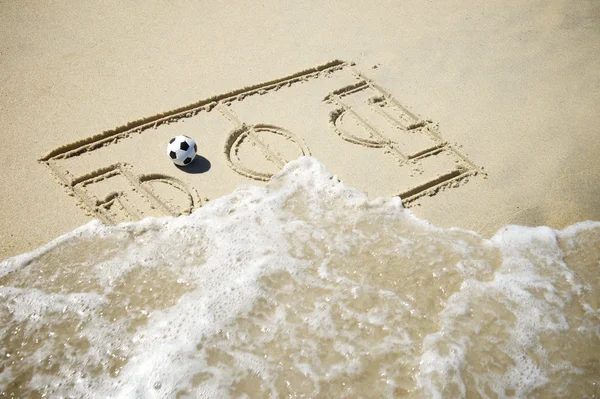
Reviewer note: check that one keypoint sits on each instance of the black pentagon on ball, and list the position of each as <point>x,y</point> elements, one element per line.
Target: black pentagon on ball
<point>172,155</point>
<point>187,160</point>
<point>172,140</point>
<point>184,145</point>
<point>195,148</point>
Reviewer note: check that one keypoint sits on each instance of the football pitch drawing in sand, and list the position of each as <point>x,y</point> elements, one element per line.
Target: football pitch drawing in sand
<point>281,281</point>
<point>332,112</point>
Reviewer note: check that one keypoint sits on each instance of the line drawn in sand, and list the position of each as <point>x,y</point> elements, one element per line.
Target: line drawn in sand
<point>369,116</point>
<point>113,194</point>
<point>363,114</point>
<point>252,134</point>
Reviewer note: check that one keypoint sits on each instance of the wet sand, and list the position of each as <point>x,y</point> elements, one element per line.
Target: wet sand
<point>302,288</point>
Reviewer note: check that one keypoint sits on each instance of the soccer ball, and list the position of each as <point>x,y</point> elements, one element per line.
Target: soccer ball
<point>182,150</point>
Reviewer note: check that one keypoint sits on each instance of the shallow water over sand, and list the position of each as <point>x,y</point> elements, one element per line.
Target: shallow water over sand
<point>303,289</point>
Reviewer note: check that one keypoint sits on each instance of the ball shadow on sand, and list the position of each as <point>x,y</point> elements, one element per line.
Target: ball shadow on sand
<point>198,165</point>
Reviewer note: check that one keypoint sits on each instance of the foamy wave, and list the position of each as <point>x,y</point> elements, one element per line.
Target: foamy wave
<point>303,287</point>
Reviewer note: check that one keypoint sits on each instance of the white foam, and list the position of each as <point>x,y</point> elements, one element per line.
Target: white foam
<point>305,286</point>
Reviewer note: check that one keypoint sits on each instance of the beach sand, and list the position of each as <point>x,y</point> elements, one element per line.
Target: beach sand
<point>514,89</point>
<point>316,282</point>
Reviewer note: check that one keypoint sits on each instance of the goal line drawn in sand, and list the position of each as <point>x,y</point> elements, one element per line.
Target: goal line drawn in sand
<point>333,112</point>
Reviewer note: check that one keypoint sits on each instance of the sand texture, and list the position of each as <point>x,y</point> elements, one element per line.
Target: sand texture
<point>476,115</point>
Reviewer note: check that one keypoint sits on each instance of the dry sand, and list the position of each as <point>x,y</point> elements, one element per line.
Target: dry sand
<point>492,107</point>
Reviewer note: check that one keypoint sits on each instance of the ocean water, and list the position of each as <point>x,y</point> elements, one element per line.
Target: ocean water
<point>303,289</point>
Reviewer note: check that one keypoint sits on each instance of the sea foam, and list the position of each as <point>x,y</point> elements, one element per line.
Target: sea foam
<point>302,288</point>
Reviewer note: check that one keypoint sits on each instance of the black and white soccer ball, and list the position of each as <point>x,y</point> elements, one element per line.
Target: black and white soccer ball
<point>182,150</point>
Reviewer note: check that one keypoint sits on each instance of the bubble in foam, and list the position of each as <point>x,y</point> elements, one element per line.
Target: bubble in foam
<point>302,288</point>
